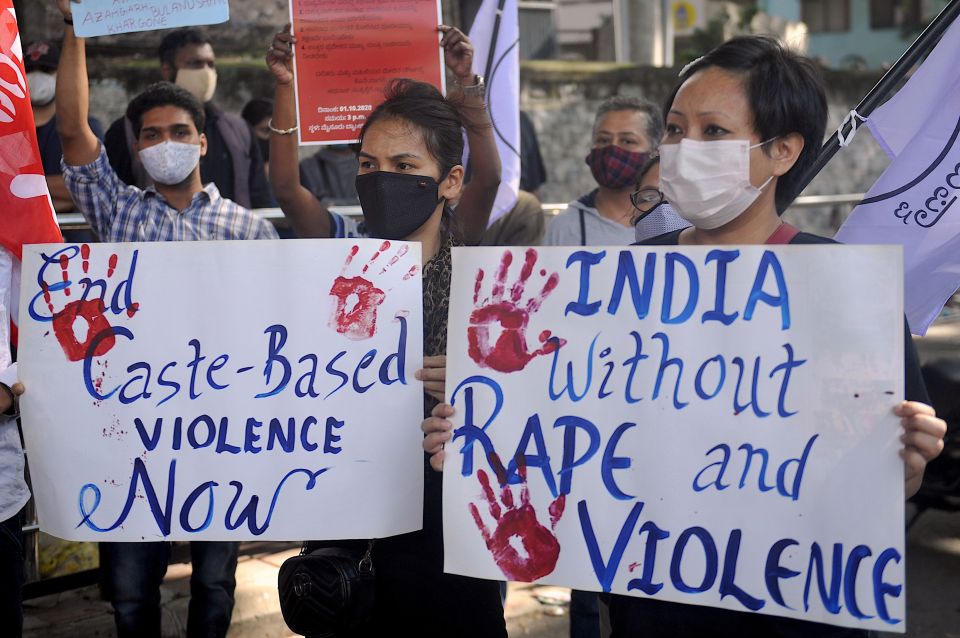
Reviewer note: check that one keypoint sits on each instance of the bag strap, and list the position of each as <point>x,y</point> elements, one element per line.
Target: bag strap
<point>583,229</point>
<point>366,563</point>
<point>784,234</point>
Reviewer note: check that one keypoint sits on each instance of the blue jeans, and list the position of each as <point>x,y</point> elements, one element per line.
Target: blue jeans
<point>11,576</point>
<point>134,572</point>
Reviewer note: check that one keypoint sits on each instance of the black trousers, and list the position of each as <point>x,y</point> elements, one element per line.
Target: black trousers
<point>11,575</point>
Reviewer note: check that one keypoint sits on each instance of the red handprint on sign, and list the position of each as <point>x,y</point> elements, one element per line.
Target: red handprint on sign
<point>86,315</point>
<point>541,550</point>
<point>358,299</point>
<point>510,352</point>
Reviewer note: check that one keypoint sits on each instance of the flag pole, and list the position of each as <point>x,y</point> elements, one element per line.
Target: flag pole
<point>492,53</point>
<point>886,85</point>
<point>488,68</point>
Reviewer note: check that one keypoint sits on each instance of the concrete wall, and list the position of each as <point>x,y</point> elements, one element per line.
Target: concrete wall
<point>561,99</point>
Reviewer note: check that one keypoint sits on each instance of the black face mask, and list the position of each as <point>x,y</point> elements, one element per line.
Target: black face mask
<point>396,204</point>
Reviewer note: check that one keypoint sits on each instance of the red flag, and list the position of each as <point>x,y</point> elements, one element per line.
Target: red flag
<point>26,211</point>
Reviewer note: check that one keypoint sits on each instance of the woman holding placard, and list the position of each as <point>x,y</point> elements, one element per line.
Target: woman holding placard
<point>410,154</point>
<point>743,123</point>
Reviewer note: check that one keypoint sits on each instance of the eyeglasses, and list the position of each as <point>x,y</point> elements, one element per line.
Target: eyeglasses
<point>645,199</point>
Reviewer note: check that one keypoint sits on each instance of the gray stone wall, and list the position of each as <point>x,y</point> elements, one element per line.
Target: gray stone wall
<point>560,98</point>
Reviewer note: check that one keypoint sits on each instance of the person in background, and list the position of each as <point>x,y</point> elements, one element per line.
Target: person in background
<point>257,114</point>
<point>167,122</point>
<point>654,216</point>
<point>626,132</point>
<point>14,492</point>
<point>522,225</point>
<point>533,173</point>
<point>233,161</point>
<point>41,59</point>
<point>330,174</point>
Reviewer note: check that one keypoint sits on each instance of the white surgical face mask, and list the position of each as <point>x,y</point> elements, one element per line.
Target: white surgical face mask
<point>708,183</point>
<point>43,87</point>
<point>202,83</point>
<point>170,162</point>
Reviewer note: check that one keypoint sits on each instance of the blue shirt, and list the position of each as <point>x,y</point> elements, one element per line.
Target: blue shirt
<point>121,213</point>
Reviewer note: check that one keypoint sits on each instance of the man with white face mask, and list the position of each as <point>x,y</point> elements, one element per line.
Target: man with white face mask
<point>233,161</point>
<point>41,59</point>
<point>167,121</point>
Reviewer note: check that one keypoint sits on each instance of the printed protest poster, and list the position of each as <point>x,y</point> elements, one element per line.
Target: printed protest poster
<point>110,17</point>
<point>700,425</point>
<point>346,53</point>
<point>223,390</point>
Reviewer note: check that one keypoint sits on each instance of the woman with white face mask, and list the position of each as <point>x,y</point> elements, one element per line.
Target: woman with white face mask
<point>743,124</point>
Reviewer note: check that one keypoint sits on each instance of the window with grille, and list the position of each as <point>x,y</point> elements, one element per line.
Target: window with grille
<point>825,15</point>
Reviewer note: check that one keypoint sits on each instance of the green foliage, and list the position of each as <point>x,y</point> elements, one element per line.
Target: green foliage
<point>701,41</point>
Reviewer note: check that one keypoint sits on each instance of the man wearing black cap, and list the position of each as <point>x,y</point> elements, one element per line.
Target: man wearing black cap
<point>41,59</point>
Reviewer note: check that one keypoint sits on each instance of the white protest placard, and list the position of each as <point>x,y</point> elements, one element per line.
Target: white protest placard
<point>699,425</point>
<point>223,390</point>
<point>110,17</point>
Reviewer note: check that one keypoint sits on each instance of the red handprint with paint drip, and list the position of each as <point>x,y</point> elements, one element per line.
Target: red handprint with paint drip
<point>510,352</point>
<point>541,549</point>
<point>357,298</point>
<point>91,312</point>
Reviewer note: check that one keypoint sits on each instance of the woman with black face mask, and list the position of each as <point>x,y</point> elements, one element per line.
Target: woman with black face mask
<point>409,170</point>
<point>311,219</point>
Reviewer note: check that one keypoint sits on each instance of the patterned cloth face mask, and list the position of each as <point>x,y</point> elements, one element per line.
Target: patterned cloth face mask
<point>170,162</point>
<point>615,167</point>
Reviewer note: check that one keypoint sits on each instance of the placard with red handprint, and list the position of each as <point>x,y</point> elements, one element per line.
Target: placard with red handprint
<point>677,422</point>
<point>223,390</point>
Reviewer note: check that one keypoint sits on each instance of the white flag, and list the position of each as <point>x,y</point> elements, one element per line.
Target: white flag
<point>913,202</point>
<point>495,35</point>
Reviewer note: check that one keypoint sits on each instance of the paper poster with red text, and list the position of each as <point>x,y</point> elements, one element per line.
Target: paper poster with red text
<point>347,51</point>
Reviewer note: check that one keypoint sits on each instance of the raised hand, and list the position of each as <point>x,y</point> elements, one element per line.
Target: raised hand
<point>65,7</point>
<point>357,299</point>
<point>280,56</point>
<point>457,53</point>
<point>541,550</point>
<point>510,353</point>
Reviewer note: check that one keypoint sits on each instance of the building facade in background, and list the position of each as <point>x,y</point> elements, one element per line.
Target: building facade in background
<point>856,33</point>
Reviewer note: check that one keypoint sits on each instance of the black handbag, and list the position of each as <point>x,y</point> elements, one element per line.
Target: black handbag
<point>327,592</point>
